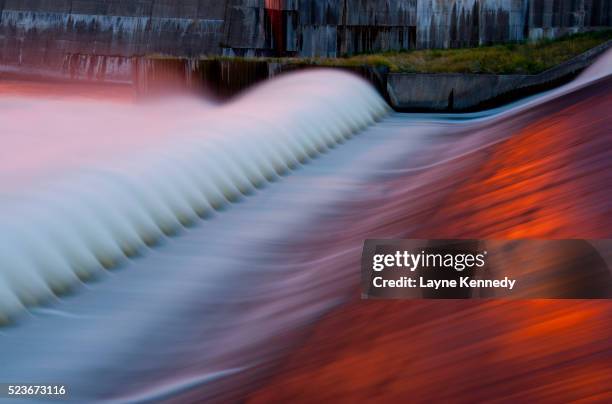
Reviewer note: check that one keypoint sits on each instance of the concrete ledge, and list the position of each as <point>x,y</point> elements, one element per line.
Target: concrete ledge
<point>459,91</point>
<point>227,77</point>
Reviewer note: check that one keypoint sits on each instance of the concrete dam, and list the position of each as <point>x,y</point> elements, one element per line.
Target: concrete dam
<point>45,32</point>
<point>159,244</point>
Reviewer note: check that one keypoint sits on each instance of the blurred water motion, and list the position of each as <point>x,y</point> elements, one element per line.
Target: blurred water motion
<point>229,305</point>
<point>549,177</point>
<point>99,182</point>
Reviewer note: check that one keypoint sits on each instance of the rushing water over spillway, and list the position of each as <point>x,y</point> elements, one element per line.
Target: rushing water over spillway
<point>201,240</point>
<point>110,192</point>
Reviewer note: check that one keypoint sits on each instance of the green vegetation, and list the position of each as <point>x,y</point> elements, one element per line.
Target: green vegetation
<point>511,58</point>
<point>515,58</point>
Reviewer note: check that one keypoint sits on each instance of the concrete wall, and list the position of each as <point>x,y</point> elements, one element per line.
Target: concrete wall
<point>224,78</point>
<point>438,92</point>
<point>550,18</point>
<point>318,27</point>
<point>48,32</point>
<point>404,91</point>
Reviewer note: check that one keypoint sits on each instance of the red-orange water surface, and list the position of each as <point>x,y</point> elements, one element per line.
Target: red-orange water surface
<point>550,179</point>
<point>545,174</point>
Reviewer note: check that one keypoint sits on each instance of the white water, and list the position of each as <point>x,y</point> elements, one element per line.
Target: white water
<point>85,186</point>
<point>226,295</point>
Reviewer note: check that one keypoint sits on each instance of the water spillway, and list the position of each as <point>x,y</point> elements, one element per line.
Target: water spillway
<point>91,202</point>
<point>206,315</point>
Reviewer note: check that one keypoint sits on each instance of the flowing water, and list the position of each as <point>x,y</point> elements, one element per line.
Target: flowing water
<point>151,249</point>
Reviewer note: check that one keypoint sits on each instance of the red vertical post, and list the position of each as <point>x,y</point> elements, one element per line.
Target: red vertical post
<point>274,12</point>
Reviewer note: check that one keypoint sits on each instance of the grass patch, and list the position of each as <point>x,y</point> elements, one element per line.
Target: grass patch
<point>514,58</point>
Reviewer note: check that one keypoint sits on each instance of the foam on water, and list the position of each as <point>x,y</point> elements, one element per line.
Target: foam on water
<point>133,178</point>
